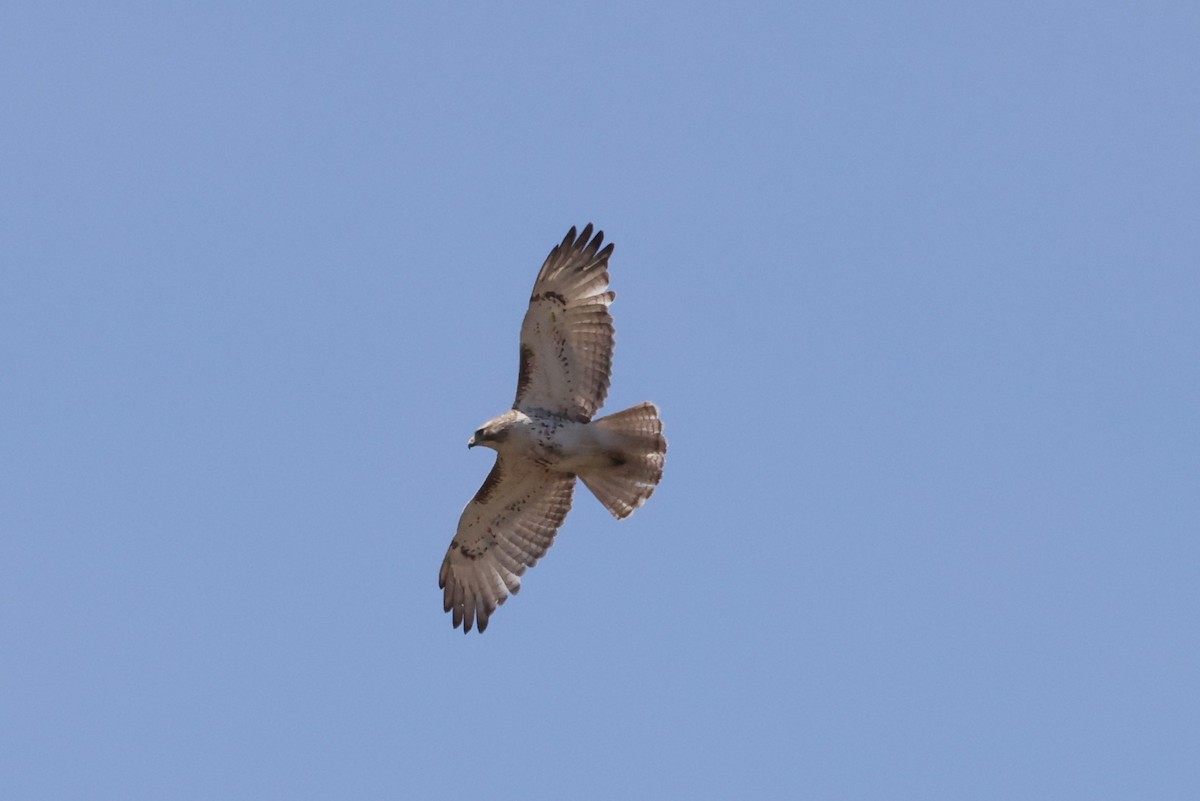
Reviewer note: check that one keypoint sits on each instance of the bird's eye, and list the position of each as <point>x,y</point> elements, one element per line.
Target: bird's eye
<point>479,434</point>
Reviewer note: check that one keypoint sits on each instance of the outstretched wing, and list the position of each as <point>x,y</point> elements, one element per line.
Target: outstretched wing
<point>567,335</point>
<point>506,528</point>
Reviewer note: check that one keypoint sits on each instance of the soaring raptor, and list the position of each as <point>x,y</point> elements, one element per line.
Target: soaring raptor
<point>549,438</point>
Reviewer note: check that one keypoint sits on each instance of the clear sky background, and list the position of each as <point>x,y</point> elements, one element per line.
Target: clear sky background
<point>916,286</point>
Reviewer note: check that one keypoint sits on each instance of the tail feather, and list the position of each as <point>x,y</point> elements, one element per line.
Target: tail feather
<point>638,449</point>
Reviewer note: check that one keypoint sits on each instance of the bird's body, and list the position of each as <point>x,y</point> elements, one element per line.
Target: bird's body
<point>550,441</point>
<point>549,437</point>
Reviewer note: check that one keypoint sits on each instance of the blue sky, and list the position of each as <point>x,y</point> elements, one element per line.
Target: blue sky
<point>915,286</point>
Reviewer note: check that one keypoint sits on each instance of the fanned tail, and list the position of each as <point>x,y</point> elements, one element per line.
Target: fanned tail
<point>638,449</point>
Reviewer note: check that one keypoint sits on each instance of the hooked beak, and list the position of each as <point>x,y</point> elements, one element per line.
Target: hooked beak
<point>471,443</point>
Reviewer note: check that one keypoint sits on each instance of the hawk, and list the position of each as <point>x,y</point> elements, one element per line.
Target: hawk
<point>549,438</point>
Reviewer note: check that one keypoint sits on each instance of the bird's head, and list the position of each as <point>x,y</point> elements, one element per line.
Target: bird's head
<point>491,433</point>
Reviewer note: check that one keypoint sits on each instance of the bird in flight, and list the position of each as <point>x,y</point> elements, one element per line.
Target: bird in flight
<point>549,438</point>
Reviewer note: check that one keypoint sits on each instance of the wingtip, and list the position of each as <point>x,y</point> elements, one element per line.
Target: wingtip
<point>584,239</point>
